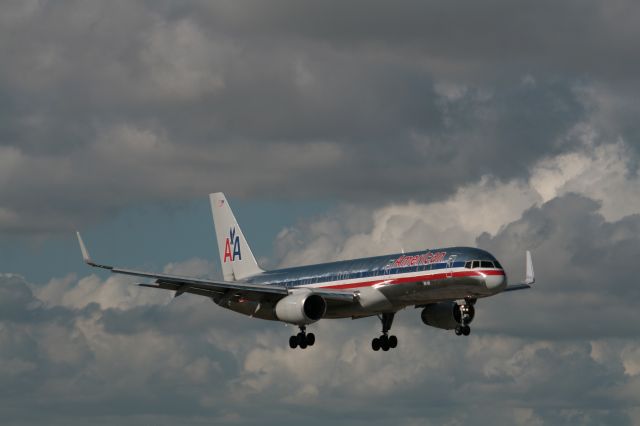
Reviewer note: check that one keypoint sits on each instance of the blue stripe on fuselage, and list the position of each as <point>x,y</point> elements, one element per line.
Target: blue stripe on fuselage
<point>364,268</point>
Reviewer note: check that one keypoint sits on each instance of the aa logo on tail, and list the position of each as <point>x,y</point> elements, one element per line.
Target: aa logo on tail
<point>234,240</point>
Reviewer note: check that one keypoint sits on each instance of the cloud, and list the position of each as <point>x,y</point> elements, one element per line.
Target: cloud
<point>440,124</point>
<point>561,353</point>
<point>288,103</point>
<point>77,359</point>
<point>603,173</point>
<point>182,62</point>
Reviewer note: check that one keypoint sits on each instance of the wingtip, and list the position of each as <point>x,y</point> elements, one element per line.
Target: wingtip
<point>83,249</point>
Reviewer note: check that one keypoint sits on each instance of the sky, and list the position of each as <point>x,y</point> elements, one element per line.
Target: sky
<point>337,130</point>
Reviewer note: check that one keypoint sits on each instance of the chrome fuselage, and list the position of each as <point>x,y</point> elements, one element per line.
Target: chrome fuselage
<point>388,283</point>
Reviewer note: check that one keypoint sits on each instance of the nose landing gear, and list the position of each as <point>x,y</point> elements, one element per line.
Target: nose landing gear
<point>302,339</point>
<point>385,342</point>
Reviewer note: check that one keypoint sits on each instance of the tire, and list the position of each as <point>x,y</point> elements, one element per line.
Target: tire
<point>393,342</point>
<point>384,345</point>
<point>293,342</point>
<point>303,345</point>
<point>458,330</point>
<point>375,344</point>
<point>466,330</point>
<point>311,339</point>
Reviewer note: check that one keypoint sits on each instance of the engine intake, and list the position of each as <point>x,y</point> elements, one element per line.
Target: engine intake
<point>301,308</point>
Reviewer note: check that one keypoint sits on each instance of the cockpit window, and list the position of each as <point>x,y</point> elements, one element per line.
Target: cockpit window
<point>498,265</point>
<point>482,264</point>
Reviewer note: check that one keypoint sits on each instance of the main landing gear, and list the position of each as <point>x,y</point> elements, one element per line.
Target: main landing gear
<point>467,312</point>
<point>385,342</point>
<point>302,339</point>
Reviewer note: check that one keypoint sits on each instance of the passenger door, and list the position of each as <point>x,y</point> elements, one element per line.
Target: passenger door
<point>452,259</point>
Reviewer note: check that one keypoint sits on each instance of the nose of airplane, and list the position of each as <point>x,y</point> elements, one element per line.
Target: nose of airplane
<point>495,283</point>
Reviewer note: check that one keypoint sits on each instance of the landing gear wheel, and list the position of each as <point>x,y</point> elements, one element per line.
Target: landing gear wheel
<point>375,344</point>
<point>302,339</point>
<point>384,343</point>
<point>393,341</point>
<point>311,339</point>
<point>458,330</point>
<point>466,330</point>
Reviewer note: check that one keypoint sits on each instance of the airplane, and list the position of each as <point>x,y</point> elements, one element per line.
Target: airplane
<point>444,282</point>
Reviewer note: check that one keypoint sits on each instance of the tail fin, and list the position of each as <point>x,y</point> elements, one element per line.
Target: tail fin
<point>236,257</point>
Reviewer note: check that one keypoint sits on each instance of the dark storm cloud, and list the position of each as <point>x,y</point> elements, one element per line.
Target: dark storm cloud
<point>586,286</point>
<point>160,101</point>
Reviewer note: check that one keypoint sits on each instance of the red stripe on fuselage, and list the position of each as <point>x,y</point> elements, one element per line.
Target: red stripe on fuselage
<point>438,276</point>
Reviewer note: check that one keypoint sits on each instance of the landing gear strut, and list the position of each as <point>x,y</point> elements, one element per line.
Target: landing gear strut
<point>302,339</point>
<point>385,342</point>
<point>467,312</point>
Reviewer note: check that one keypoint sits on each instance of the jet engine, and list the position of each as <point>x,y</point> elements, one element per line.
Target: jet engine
<point>301,308</point>
<point>446,315</point>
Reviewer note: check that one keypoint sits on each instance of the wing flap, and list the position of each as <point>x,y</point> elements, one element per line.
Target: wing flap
<point>183,289</point>
<point>211,285</point>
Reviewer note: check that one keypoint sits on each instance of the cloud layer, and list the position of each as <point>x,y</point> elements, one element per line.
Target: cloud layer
<point>565,352</point>
<point>105,105</point>
<point>509,127</point>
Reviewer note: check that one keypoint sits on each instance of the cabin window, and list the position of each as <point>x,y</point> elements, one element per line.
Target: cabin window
<point>486,264</point>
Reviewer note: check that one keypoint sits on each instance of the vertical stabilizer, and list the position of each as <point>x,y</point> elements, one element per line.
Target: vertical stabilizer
<point>236,258</point>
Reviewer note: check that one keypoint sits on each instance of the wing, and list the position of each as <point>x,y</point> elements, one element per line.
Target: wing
<point>211,288</point>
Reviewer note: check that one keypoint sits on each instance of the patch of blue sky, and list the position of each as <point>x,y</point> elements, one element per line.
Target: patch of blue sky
<point>152,235</point>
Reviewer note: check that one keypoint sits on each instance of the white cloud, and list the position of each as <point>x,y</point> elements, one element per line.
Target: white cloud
<point>116,291</point>
<point>601,172</point>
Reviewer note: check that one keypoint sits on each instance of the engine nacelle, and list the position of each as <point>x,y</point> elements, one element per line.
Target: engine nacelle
<point>301,308</point>
<point>445,315</point>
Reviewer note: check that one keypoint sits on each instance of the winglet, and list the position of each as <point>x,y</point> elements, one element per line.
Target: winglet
<point>85,254</point>
<point>83,249</point>
<point>530,278</point>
